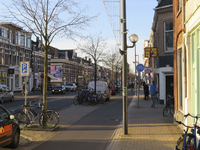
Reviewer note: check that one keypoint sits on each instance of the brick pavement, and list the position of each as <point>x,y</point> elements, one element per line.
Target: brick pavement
<point>147,128</point>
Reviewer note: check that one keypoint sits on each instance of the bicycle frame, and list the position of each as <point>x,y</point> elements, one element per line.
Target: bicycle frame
<point>186,143</point>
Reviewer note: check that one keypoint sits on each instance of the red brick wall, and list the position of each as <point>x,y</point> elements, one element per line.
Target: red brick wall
<point>177,35</point>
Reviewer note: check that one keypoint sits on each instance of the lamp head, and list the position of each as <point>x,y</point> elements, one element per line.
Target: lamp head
<point>133,38</point>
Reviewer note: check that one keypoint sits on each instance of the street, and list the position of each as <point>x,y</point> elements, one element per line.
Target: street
<point>95,124</point>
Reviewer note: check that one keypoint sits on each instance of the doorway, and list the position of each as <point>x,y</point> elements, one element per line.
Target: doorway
<point>170,85</point>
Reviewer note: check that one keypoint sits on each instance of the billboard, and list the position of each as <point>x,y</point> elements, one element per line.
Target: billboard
<point>56,71</point>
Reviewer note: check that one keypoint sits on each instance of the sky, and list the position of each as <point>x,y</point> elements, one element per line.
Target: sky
<point>139,16</point>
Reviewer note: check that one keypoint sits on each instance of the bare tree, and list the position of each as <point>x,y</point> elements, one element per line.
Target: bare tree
<point>114,62</point>
<point>43,19</point>
<point>95,48</point>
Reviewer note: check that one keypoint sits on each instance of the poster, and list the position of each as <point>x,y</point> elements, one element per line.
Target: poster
<point>56,71</point>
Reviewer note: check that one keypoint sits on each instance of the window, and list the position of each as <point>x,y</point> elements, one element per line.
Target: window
<point>11,37</point>
<point>168,36</point>
<point>16,80</point>
<point>17,58</point>
<point>10,55</point>
<point>19,39</point>
<point>2,58</point>
<point>16,37</point>
<point>180,78</point>
<point>3,114</point>
<point>22,40</point>
<point>28,39</point>
<point>179,5</point>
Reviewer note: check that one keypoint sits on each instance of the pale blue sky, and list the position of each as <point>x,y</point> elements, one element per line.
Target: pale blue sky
<point>139,14</point>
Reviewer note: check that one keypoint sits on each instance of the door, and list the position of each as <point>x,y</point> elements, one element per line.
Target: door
<point>170,85</point>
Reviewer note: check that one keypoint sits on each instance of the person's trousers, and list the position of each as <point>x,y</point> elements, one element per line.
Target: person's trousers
<point>153,100</point>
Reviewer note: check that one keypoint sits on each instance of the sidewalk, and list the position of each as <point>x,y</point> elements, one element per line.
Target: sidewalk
<point>147,128</point>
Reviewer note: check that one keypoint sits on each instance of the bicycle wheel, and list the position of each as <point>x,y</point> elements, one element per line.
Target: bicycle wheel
<point>22,119</point>
<point>166,111</point>
<point>51,118</point>
<point>75,100</point>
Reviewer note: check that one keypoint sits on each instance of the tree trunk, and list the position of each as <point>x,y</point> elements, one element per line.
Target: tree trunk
<point>95,76</point>
<point>45,81</point>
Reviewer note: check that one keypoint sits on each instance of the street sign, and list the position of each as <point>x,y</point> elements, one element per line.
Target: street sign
<point>140,67</point>
<point>24,68</point>
<point>150,52</point>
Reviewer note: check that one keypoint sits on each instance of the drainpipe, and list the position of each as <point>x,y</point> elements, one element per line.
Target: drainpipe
<point>184,58</point>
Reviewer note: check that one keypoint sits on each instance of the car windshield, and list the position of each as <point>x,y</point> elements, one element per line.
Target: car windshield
<point>58,86</point>
<point>69,84</point>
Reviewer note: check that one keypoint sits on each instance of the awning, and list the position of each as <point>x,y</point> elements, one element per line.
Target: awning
<point>52,77</point>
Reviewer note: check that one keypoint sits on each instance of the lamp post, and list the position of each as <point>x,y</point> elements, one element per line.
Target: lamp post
<point>133,38</point>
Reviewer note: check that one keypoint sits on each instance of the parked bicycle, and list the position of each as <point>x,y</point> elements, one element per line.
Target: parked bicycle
<point>188,140</point>
<point>28,116</point>
<point>169,107</point>
<point>101,97</point>
<point>81,98</point>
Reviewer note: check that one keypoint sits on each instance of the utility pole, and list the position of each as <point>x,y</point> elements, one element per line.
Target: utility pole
<point>124,47</point>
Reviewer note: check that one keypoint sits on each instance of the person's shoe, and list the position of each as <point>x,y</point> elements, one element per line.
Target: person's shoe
<point>151,105</point>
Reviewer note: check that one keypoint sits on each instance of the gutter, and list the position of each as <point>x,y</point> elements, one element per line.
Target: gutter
<point>163,7</point>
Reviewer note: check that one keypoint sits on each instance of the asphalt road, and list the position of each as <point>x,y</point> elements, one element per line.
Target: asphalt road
<point>92,131</point>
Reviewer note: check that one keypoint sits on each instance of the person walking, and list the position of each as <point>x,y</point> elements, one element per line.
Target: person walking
<point>146,92</point>
<point>153,94</point>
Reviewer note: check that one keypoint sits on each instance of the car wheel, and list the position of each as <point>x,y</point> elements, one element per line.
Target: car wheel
<point>2,100</point>
<point>52,93</point>
<point>12,99</point>
<point>15,141</point>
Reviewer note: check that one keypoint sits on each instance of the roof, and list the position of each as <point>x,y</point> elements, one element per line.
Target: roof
<point>164,3</point>
<point>69,53</point>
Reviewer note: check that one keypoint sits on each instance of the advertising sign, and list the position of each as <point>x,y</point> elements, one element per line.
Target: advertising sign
<point>56,71</point>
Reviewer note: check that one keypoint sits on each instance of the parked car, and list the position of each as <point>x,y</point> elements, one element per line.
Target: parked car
<point>5,94</point>
<point>59,89</point>
<point>71,87</point>
<point>9,129</point>
<point>101,87</point>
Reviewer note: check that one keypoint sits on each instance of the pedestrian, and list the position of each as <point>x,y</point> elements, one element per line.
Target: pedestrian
<point>23,88</point>
<point>153,94</point>
<point>132,86</point>
<point>146,92</point>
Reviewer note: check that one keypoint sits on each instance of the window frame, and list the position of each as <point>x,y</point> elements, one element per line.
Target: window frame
<point>167,31</point>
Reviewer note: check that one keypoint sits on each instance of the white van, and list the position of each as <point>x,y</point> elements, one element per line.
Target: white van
<point>101,87</point>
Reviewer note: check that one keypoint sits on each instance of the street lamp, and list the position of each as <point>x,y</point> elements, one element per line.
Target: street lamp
<point>133,38</point>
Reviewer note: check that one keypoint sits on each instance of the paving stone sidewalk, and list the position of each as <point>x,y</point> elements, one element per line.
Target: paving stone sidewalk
<point>147,128</point>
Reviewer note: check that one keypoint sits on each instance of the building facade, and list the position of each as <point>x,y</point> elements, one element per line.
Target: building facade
<point>15,45</point>
<point>162,38</point>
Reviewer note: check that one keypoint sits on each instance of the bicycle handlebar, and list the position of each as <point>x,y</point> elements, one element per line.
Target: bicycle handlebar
<point>179,122</point>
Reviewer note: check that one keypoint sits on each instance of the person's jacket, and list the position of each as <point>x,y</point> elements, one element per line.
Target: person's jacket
<point>153,89</point>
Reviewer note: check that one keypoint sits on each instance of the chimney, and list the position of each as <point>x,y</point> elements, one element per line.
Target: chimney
<point>159,1</point>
